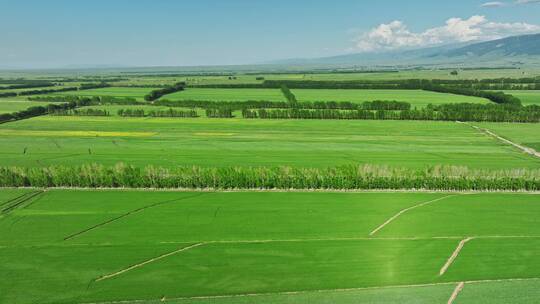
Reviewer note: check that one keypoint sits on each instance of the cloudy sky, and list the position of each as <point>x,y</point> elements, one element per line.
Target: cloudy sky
<point>61,33</point>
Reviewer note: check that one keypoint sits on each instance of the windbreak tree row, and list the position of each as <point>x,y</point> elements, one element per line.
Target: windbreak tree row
<point>364,177</point>
<point>156,94</point>
<point>449,112</point>
<point>164,113</point>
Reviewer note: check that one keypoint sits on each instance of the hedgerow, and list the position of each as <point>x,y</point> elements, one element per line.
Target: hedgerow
<point>361,177</point>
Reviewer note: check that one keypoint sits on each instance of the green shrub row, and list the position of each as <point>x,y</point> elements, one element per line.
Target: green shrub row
<point>156,94</point>
<point>364,177</point>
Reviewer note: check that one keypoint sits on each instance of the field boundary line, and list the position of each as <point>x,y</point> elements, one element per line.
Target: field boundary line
<point>388,221</point>
<point>208,242</point>
<point>313,291</point>
<point>525,149</point>
<point>74,235</point>
<point>114,274</point>
<point>454,255</point>
<point>255,190</point>
<point>456,292</point>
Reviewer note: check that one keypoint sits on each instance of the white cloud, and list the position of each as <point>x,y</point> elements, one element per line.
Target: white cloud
<point>396,35</point>
<point>527,1</point>
<point>494,4</point>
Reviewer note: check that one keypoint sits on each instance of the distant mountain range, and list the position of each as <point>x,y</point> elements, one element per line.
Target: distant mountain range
<point>511,51</point>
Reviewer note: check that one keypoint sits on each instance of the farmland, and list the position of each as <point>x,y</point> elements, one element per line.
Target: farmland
<point>417,98</point>
<point>227,95</point>
<point>263,243</point>
<point>267,209</point>
<point>137,93</point>
<point>50,140</point>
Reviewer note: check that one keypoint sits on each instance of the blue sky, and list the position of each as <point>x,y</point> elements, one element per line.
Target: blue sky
<point>57,33</point>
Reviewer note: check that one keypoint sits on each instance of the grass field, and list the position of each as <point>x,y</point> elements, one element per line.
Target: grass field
<point>137,93</point>
<point>527,97</point>
<point>227,95</point>
<point>68,246</point>
<point>416,98</point>
<point>237,142</point>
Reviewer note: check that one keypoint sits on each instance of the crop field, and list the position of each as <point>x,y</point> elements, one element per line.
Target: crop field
<point>524,134</point>
<point>95,246</point>
<point>527,97</point>
<point>227,95</point>
<point>416,98</point>
<point>137,93</point>
<point>201,141</point>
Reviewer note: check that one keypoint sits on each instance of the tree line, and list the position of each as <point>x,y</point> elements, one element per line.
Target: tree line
<point>289,96</point>
<point>81,112</point>
<point>164,113</point>
<point>496,97</point>
<point>42,110</point>
<point>446,112</point>
<point>241,105</point>
<point>351,177</point>
<point>28,85</point>
<point>156,94</point>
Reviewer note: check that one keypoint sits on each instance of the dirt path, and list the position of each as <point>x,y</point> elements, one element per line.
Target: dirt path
<point>112,275</point>
<point>406,210</point>
<point>454,255</point>
<point>456,292</point>
<point>285,293</point>
<point>76,234</point>
<point>527,150</point>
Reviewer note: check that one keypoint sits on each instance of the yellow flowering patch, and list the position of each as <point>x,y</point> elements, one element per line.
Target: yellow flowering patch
<point>8,132</point>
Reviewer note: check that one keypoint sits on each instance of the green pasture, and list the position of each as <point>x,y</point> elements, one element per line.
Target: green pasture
<point>137,93</point>
<point>527,97</point>
<point>77,246</point>
<point>227,95</point>
<point>48,140</point>
<point>417,98</point>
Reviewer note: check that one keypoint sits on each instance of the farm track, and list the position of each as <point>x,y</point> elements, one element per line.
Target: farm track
<point>112,275</point>
<point>486,237</point>
<point>19,201</point>
<point>290,293</point>
<point>456,292</point>
<point>454,255</point>
<point>525,149</point>
<point>406,210</point>
<point>74,235</point>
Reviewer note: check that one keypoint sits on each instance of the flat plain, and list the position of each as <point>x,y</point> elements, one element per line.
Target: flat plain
<point>227,95</point>
<point>48,140</point>
<point>137,93</point>
<point>95,246</point>
<point>417,98</point>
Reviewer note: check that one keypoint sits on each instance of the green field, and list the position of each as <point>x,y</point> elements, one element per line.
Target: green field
<point>13,105</point>
<point>527,97</point>
<point>227,95</point>
<point>137,93</point>
<point>68,246</point>
<point>524,134</point>
<point>49,140</point>
<point>416,98</point>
